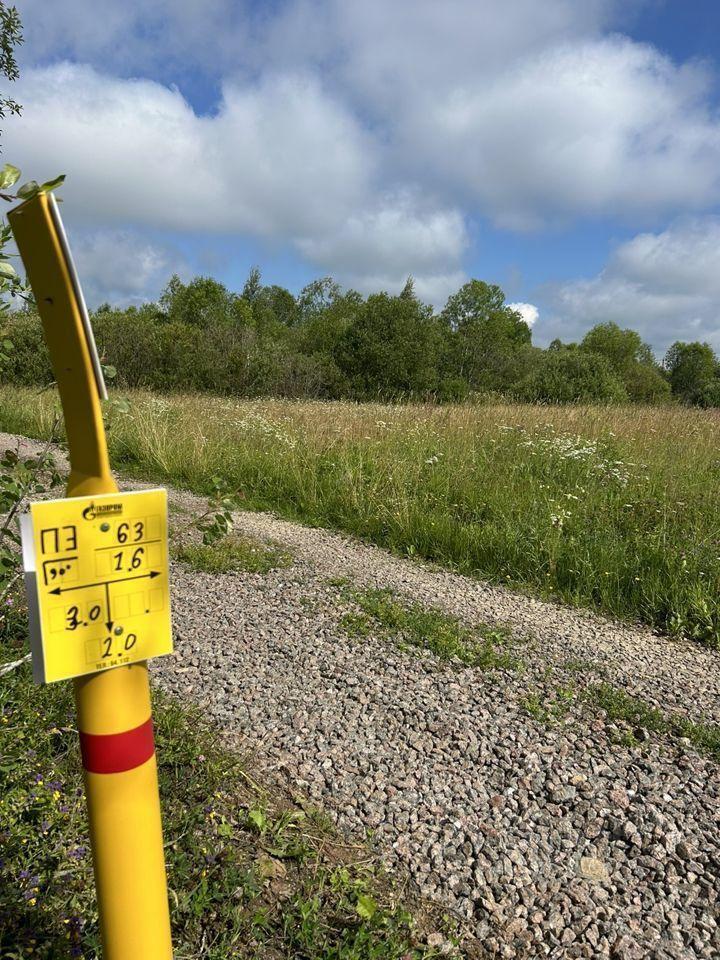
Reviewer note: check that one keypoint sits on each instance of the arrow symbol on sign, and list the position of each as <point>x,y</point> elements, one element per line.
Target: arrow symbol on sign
<point>105,583</point>
<point>108,622</point>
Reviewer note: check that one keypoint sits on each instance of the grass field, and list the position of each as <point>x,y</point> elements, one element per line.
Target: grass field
<point>607,507</point>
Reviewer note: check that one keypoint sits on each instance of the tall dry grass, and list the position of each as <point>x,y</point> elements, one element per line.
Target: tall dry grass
<point>614,508</point>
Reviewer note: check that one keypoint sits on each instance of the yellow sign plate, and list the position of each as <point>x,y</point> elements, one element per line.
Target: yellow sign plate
<point>101,581</point>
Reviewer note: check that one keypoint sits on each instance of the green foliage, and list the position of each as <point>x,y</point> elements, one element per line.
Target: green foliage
<point>29,361</point>
<point>645,383</point>
<point>253,285</point>
<point>249,877</point>
<point>621,348</point>
<point>571,376</point>
<point>10,37</point>
<point>32,188</point>
<point>233,554</point>
<point>693,369</point>
<point>631,360</point>
<point>203,302</point>
<point>622,707</point>
<point>379,612</point>
<point>609,507</point>
<point>550,709</point>
<point>20,479</point>
<point>330,344</point>
<point>482,334</point>
<point>216,521</point>
<point>9,175</point>
<point>318,297</point>
<point>391,348</point>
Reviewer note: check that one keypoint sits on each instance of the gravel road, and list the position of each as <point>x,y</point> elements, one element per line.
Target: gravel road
<point>553,839</point>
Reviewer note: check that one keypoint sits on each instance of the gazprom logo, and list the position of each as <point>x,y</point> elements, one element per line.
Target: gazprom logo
<point>102,510</point>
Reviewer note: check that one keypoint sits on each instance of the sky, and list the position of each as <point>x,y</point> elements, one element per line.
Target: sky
<point>568,151</point>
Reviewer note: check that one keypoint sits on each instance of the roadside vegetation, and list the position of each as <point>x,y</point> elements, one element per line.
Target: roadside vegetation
<point>613,508</point>
<point>252,873</point>
<point>333,344</point>
<point>233,554</point>
<point>634,717</point>
<point>379,612</point>
<point>249,875</point>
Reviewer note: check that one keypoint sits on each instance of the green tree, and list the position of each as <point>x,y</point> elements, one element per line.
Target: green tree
<point>621,348</point>
<point>203,302</point>
<point>646,383</point>
<point>10,38</point>
<point>318,296</point>
<point>391,349</point>
<point>483,333</point>
<point>631,359</point>
<point>692,368</point>
<point>253,285</point>
<point>571,376</point>
<point>281,303</point>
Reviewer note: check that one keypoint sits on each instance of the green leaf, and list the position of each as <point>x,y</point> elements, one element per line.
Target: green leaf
<point>8,345</point>
<point>8,176</point>
<point>7,270</point>
<point>109,371</point>
<point>258,819</point>
<point>366,906</point>
<point>52,184</point>
<point>28,190</point>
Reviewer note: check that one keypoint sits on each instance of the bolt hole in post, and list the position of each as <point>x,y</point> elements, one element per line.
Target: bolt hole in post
<point>113,702</point>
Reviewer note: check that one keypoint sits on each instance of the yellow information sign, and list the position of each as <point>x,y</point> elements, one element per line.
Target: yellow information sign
<point>98,569</point>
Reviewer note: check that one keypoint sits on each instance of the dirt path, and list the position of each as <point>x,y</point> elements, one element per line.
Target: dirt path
<point>554,838</point>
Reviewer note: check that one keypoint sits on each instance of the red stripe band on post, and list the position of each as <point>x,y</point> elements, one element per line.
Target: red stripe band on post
<point>117,752</point>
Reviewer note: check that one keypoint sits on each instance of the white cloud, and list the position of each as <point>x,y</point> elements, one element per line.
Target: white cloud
<point>375,47</point>
<point>664,285</point>
<point>135,37</point>
<point>378,249</point>
<point>122,267</point>
<point>280,160</point>
<point>365,135</point>
<point>528,311</point>
<point>522,111</point>
<point>603,128</point>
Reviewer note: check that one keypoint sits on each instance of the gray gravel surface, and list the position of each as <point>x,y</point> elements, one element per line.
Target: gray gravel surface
<point>551,839</point>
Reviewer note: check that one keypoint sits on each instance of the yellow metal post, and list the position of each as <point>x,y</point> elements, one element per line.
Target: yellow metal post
<point>113,707</point>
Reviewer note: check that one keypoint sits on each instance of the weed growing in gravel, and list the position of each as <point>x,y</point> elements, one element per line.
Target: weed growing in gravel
<point>621,707</point>
<point>549,709</point>
<point>633,713</point>
<point>379,613</point>
<point>248,878</point>
<point>233,554</point>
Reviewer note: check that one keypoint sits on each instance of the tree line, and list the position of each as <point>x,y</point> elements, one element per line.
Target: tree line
<point>328,343</point>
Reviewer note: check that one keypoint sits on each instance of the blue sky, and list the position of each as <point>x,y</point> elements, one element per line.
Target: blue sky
<point>569,151</point>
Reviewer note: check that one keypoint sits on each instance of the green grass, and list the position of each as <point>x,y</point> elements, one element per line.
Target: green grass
<point>249,877</point>
<point>627,711</point>
<point>233,554</point>
<point>550,709</point>
<point>612,508</point>
<point>622,707</point>
<point>378,612</point>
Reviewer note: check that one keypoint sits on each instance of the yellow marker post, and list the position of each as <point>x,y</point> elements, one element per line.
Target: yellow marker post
<point>113,705</point>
